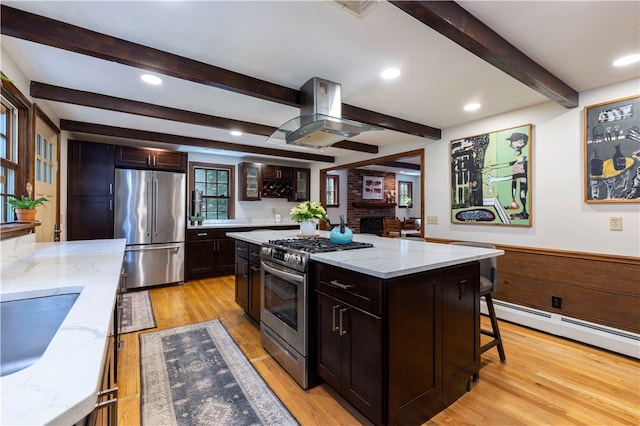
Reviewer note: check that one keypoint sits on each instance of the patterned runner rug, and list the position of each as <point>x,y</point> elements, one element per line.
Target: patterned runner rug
<point>137,312</point>
<point>197,375</point>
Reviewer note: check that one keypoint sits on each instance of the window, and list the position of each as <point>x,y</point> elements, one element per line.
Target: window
<point>215,182</point>
<point>405,194</point>
<point>14,152</point>
<point>332,191</point>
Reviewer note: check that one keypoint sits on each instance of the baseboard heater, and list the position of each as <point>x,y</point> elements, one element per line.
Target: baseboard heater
<point>615,340</point>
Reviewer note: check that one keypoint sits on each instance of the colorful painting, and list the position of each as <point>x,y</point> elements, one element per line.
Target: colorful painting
<point>612,151</point>
<point>491,178</point>
<point>372,187</point>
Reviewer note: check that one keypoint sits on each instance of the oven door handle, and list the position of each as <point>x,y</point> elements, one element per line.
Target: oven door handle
<point>287,276</point>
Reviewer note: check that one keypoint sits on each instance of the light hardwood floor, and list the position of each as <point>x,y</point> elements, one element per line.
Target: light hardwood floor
<point>546,380</point>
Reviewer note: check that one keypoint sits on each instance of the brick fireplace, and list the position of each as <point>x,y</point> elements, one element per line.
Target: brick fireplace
<point>358,209</point>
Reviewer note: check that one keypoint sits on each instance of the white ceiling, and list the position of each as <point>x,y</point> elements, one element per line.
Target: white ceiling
<point>288,42</point>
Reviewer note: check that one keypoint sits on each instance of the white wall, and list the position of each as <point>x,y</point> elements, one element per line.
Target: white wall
<point>561,218</point>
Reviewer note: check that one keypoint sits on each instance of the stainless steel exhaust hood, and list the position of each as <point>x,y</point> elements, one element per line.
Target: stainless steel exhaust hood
<point>320,123</point>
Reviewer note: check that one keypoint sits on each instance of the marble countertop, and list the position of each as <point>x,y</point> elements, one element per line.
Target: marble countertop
<point>240,223</point>
<point>61,387</point>
<point>388,258</point>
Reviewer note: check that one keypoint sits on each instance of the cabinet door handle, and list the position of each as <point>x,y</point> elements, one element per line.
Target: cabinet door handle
<point>110,205</point>
<point>154,161</point>
<point>148,160</point>
<point>255,268</point>
<point>336,283</point>
<point>110,189</point>
<point>334,327</point>
<point>343,331</point>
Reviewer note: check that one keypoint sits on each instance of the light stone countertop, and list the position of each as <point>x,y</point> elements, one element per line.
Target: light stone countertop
<point>61,387</point>
<point>388,258</point>
<point>240,223</point>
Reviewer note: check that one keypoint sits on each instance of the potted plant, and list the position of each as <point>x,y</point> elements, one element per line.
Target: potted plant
<point>307,213</point>
<point>25,207</point>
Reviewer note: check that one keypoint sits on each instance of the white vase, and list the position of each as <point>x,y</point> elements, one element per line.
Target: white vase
<point>307,227</point>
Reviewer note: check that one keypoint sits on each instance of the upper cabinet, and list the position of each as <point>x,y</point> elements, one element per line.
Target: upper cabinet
<point>301,184</point>
<point>259,181</point>
<point>151,159</point>
<point>277,181</point>
<point>250,182</point>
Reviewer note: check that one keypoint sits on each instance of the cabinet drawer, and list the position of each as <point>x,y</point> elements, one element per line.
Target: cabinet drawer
<point>199,234</point>
<point>359,290</point>
<point>242,249</point>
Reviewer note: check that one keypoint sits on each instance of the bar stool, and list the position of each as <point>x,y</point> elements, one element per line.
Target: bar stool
<point>488,284</point>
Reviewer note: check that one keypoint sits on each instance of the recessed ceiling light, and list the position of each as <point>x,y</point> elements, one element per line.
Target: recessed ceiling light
<point>472,107</point>
<point>236,133</point>
<point>627,60</point>
<point>151,79</point>
<point>390,73</point>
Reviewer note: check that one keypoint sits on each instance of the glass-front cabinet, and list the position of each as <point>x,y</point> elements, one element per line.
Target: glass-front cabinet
<point>301,184</point>
<point>250,181</point>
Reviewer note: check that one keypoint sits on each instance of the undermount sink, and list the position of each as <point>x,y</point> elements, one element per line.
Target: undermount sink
<point>27,327</point>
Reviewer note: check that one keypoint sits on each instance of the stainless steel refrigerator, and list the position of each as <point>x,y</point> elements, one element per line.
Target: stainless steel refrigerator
<point>150,212</point>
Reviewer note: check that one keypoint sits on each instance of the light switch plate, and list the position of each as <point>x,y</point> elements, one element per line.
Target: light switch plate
<point>432,220</point>
<point>615,223</point>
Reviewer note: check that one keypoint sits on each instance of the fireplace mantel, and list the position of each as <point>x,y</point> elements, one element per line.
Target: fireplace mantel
<point>373,205</point>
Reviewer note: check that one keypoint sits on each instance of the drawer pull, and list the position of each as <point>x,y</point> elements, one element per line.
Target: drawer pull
<point>202,234</point>
<point>338,284</point>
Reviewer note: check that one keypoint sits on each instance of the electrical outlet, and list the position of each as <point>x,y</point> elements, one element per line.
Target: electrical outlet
<point>615,223</point>
<point>556,302</point>
<point>273,210</point>
<point>432,220</point>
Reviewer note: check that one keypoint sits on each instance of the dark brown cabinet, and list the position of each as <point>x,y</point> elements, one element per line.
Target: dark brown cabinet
<point>247,265</point>
<point>250,182</point>
<point>90,190</point>
<point>301,184</point>
<point>350,353</point>
<point>209,253</point>
<point>277,182</point>
<point>402,349</point>
<point>152,159</point>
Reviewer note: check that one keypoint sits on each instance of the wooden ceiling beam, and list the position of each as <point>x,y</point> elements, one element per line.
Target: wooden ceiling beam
<point>50,32</point>
<point>121,132</point>
<point>454,22</point>
<point>111,103</point>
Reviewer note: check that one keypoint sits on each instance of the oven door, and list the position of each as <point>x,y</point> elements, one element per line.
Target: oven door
<point>284,304</point>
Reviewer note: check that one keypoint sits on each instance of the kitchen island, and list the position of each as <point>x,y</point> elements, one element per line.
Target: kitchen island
<point>394,328</point>
<point>62,386</point>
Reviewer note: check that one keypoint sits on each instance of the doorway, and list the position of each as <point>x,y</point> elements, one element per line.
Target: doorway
<point>46,176</point>
<point>406,166</point>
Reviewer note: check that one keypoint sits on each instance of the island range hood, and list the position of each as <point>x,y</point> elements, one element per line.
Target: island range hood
<point>320,123</point>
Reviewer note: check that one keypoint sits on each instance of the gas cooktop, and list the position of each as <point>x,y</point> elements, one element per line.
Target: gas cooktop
<point>316,245</point>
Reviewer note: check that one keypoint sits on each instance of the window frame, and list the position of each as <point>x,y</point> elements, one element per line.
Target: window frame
<point>336,186</point>
<point>211,166</point>
<point>23,168</point>
<point>409,192</point>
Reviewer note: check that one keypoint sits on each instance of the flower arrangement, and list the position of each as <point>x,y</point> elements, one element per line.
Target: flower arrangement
<point>308,210</point>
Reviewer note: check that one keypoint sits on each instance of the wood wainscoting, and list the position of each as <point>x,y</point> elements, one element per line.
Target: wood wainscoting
<point>599,288</point>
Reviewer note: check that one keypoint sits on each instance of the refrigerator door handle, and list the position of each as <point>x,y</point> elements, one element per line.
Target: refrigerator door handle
<point>149,201</point>
<point>155,206</point>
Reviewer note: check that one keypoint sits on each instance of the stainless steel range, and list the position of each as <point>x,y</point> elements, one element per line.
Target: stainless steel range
<point>284,314</point>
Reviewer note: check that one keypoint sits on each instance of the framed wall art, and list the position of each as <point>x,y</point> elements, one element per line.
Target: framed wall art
<point>491,178</point>
<point>372,187</point>
<point>612,151</point>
